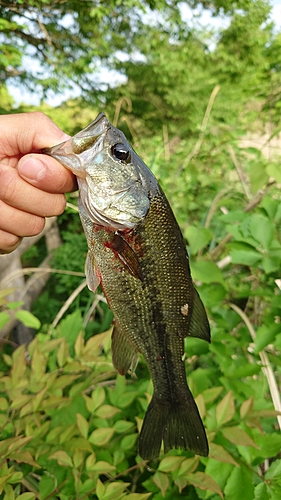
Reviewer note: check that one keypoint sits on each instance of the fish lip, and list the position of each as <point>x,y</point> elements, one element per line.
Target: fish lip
<point>68,146</point>
<point>68,152</point>
<point>101,117</point>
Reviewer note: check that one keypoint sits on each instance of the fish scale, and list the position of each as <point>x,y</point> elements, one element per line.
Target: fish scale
<point>137,252</point>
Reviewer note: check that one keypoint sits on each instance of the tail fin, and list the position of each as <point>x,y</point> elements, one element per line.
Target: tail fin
<point>179,425</point>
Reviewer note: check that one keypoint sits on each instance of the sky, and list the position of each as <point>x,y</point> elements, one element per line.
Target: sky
<point>105,76</point>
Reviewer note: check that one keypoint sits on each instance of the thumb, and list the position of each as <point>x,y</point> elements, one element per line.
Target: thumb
<point>46,173</point>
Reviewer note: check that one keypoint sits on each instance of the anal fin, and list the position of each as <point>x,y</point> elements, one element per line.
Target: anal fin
<point>199,324</point>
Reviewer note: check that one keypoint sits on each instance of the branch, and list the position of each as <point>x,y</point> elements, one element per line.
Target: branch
<point>203,127</point>
<point>68,302</point>
<point>240,172</point>
<point>44,29</point>
<point>266,368</point>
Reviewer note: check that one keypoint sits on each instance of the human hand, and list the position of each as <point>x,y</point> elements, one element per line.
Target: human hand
<point>31,184</point>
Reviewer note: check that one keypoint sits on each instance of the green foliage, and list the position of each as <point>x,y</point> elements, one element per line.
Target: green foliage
<point>70,426</point>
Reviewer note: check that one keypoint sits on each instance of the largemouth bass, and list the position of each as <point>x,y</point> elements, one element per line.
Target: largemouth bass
<point>137,254</point>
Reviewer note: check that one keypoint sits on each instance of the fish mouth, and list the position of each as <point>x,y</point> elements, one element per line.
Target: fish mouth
<point>67,152</point>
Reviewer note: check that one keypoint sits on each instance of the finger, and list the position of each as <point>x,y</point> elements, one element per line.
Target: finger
<point>20,223</point>
<point>47,174</point>
<point>17,193</point>
<point>8,242</point>
<point>26,132</point>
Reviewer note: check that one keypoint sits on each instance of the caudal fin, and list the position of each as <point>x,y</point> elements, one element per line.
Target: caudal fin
<point>179,425</point>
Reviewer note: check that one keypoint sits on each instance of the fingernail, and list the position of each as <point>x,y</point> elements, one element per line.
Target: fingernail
<point>32,168</point>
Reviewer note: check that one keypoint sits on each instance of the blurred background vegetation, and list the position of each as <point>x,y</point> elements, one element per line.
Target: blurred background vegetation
<point>196,87</point>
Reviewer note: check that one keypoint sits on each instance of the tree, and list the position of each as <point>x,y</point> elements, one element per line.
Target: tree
<point>174,80</point>
<point>66,40</point>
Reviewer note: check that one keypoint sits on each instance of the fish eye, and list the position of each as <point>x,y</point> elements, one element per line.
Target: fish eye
<point>121,152</point>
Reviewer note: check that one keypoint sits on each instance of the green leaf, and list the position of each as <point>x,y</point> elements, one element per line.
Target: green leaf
<point>271,264</point>
<point>103,467</point>
<point>114,490</point>
<point>18,442</point>
<point>204,482</point>
<point>70,328</point>
<point>262,230</point>
<point>181,483</point>
<point>188,465</point>
<point>197,238</point>
<point>16,477</point>
<point>239,437</point>
<point>245,257</point>
<point>162,482</point>
<point>4,318</point>
<point>219,471</point>
<point>46,485</point>
<point>102,436</point>
<point>225,409</point>
<point>258,176</point>
<point>274,170</point>
<point>90,462</point>
<point>4,405</point>
<point>126,399</point>
<point>9,492</point>
<point>262,492</point>
<point>62,353</point>
<point>123,426</point>
<point>239,476</point>
<point>169,464</point>
<point>107,411</point>
<point>28,319</point>
<point>265,335</point>
<point>78,458</point>
<point>25,457</point>
<point>274,470</point>
<point>38,364</point>
<point>206,272</point>
<point>100,488</point>
<point>82,425</point>
<point>62,458</point>
<point>138,496</point>
<point>246,407</point>
<point>27,496</point>
<point>211,394</point>
<point>128,442</point>
<point>79,344</point>
<point>219,453</point>
<point>98,397</point>
<point>4,480</point>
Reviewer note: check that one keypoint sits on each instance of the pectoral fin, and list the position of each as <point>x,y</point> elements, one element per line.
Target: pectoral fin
<point>124,354</point>
<point>92,277</point>
<point>199,325</point>
<point>125,253</point>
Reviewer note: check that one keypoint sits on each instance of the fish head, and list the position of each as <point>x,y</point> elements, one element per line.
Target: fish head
<point>115,185</point>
